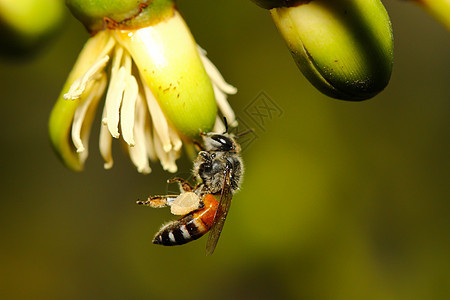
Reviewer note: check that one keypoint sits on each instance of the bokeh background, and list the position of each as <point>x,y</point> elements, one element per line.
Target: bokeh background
<point>340,200</point>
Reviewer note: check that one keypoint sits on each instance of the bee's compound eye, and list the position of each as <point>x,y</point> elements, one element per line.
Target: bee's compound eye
<point>222,142</point>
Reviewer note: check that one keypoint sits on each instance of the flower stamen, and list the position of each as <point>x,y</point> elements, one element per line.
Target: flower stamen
<point>220,86</point>
<point>127,112</point>
<point>224,106</point>
<point>105,143</point>
<point>92,99</point>
<point>219,126</point>
<point>79,85</point>
<point>176,141</point>
<point>138,153</point>
<point>214,73</point>
<point>159,120</point>
<point>149,145</point>
<point>115,93</point>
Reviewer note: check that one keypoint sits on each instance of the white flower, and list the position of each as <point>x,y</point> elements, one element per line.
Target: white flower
<point>150,68</point>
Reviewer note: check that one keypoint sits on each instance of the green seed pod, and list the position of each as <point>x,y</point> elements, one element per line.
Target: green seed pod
<point>343,47</point>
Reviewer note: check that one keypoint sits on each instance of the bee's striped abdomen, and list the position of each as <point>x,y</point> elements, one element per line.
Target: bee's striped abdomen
<point>189,227</point>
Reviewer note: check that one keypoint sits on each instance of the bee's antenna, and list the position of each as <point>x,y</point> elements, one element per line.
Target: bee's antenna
<point>244,132</point>
<point>226,124</point>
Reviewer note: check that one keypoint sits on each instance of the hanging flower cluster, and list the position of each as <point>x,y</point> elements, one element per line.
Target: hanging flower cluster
<point>160,88</point>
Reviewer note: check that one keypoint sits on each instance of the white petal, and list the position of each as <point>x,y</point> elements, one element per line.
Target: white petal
<point>214,73</point>
<point>114,100</point>
<point>99,62</point>
<point>127,111</point>
<point>160,153</point>
<point>176,141</point>
<point>117,60</point>
<point>224,106</point>
<point>90,115</point>
<point>78,87</point>
<point>138,153</point>
<point>105,143</point>
<point>202,51</point>
<point>167,159</point>
<point>171,165</point>
<point>219,127</point>
<point>78,119</point>
<point>159,120</point>
<point>149,139</point>
<point>127,61</point>
<point>92,99</point>
<point>115,93</point>
<point>108,46</point>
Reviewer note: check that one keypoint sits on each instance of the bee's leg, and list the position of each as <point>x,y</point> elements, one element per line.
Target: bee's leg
<point>185,186</point>
<point>158,201</point>
<point>198,145</point>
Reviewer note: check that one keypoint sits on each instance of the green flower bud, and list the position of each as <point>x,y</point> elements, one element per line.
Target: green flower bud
<point>24,24</point>
<point>439,9</point>
<point>343,47</point>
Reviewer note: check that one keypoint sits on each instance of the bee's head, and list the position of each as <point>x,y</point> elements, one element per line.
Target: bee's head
<point>220,142</point>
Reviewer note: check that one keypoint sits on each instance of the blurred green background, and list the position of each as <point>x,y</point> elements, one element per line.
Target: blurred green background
<point>340,200</point>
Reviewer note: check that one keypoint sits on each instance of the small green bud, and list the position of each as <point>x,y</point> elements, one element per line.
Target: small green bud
<point>343,47</point>
<point>24,24</point>
<point>439,9</point>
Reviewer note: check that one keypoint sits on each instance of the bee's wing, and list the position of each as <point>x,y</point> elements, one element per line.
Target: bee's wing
<point>221,213</point>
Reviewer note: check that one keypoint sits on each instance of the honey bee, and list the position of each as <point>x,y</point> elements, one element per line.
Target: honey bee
<point>218,170</point>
